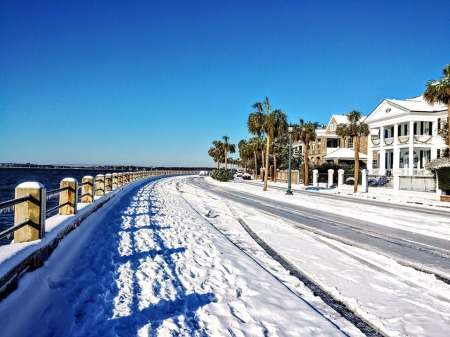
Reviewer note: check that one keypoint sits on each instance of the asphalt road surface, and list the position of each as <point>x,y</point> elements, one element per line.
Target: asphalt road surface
<point>420,251</point>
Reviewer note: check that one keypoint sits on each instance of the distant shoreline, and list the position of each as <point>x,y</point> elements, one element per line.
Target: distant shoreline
<point>100,168</point>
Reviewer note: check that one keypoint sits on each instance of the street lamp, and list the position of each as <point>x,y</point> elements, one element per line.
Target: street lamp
<point>290,130</point>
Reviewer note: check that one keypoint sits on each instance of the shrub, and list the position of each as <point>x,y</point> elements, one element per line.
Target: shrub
<point>222,175</point>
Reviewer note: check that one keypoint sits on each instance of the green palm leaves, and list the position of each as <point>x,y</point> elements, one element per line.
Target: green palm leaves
<point>266,121</point>
<point>355,128</point>
<point>439,91</point>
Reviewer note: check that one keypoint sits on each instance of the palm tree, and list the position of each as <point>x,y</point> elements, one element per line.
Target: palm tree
<point>264,120</point>
<point>355,129</point>
<point>279,122</point>
<point>227,147</point>
<point>439,91</point>
<point>245,152</point>
<point>305,132</point>
<point>218,145</point>
<point>254,145</point>
<point>215,155</point>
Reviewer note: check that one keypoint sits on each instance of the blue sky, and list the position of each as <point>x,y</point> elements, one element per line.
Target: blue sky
<point>155,82</point>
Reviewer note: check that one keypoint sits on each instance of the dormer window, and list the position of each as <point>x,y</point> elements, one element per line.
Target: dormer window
<point>333,127</point>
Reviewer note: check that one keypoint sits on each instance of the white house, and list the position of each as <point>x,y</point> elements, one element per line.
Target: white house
<point>404,136</point>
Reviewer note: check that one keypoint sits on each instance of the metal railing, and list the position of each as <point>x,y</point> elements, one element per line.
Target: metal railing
<point>68,199</point>
<point>10,203</point>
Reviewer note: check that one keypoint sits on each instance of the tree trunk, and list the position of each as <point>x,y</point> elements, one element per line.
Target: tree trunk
<point>226,160</point>
<point>256,164</point>
<point>266,170</point>
<point>306,158</point>
<point>274,166</point>
<point>262,161</point>
<point>448,129</point>
<point>356,175</point>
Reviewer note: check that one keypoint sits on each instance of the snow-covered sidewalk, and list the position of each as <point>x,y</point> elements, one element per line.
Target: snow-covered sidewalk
<point>148,264</point>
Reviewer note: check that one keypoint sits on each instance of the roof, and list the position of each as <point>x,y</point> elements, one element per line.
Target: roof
<point>418,104</point>
<point>344,154</point>
<point>343,119</point>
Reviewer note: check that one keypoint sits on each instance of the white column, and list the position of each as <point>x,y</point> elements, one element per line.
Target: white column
<point>435,136</point>
<point>382,153</point>
<point>369,153</point>
<point>396,163</point>
<point>411,149</point>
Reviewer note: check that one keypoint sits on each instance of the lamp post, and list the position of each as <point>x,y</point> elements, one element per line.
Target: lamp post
<point>290,130</point>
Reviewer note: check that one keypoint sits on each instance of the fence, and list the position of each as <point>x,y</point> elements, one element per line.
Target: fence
<point>30,207</point>
<point>417,183</point>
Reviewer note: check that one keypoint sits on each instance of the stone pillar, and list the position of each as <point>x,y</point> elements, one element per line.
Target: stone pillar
<point>119,179</point>
<point>114,181</point>
<point>340,178</point>
<point>33,210</point>
<point>108,182</point>
<point>396,181</point>
<point>330,177</point>
<point>365,181</point>
<point>87,190</point>
<point>69,197</point>
<point>315,178</point>
<point>99,185</point>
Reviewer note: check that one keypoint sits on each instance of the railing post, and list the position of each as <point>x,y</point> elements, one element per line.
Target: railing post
<point>33,210</point>
<point>99,185</point>
<point>87,190</point>
<point>114,181</point>
<point>108,182</point>
<point>119,179</point>
<point>69,197</point>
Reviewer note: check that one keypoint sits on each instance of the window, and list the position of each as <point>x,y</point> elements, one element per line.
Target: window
<point>332,143</point>
<point>350,143</point>
<point>333,127</point>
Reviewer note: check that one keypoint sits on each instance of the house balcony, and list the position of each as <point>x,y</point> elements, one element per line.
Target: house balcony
<point>402,140</point>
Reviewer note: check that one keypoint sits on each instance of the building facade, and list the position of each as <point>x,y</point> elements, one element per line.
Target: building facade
<point>404,136</point>
<point>330,147</point>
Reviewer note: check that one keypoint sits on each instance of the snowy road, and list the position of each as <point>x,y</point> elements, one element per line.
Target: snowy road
<point>147,264</point>
<point>373,225</point>
<point>397,300</point>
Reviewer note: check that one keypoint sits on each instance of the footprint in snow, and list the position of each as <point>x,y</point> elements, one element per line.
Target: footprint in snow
<point>239,310</point>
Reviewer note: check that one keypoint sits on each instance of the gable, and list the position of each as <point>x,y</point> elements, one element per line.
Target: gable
<point>386,110</point>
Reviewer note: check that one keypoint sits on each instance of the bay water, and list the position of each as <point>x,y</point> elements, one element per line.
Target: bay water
<point>50,178</point>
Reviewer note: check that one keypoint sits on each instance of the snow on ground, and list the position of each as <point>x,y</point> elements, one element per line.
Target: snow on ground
<point>148,264</point>
<point>398,300</point>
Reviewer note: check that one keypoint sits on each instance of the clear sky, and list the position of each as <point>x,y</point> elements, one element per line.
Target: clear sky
<point>155,82</point>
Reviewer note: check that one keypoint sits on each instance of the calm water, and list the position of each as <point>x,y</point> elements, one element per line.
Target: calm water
<point>50,178</point>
